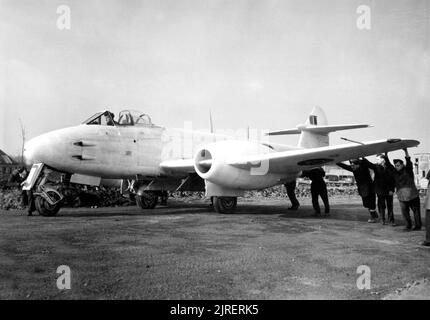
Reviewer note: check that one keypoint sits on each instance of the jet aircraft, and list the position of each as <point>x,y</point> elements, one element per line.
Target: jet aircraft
<point>147,160</point>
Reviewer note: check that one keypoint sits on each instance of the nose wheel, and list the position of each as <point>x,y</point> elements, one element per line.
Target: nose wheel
<point>147,200</point>
<point>48,208</point>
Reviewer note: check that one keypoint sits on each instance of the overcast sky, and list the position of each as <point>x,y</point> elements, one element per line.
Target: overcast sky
<point>254,62</point>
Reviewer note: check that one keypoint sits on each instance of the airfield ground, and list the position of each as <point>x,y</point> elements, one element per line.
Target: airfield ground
<point>186,251</point>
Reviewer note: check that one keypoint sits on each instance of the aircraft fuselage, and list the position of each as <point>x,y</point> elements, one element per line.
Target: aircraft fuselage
<point>115,152</point>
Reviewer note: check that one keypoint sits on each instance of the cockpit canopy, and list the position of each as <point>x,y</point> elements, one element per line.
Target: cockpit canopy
<point>125,118</point>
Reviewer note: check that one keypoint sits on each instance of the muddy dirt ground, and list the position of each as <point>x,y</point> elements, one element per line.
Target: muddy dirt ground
<point>187,251</point>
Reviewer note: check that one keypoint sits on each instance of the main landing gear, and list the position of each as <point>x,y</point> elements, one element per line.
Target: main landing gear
<point>225,204</point>
<point>147,199</point>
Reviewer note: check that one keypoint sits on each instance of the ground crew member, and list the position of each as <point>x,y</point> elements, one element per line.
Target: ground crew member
<point>365,185</point>
<point>18,176</point>
<point>406,190</point>
<point>384,186</point>
<point>427,208</point>
<point>27,196</point>
<point>318,188</point>
<point>163,198</point>
<point>291,193</point>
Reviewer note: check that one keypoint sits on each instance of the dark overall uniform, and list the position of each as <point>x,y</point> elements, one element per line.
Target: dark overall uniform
<point>291,193</point>
<point>318,188</point>
<point>365,186</point>
<point>27,197</point>
<point>408,194</point>
<point>427,208</point>
<point>384,188</point>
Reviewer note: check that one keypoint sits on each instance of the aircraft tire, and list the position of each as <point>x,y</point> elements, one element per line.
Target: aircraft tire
<point>225,204</point>
<point>44,208</point>
<point>148,200</point>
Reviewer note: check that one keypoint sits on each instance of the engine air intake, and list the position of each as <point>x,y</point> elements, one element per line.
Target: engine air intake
<point>204,161</point>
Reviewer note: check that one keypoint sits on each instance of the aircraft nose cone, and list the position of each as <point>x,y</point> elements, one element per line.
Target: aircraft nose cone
<point>29,152</point>
<point>34,150</point>
<point>53,148</point>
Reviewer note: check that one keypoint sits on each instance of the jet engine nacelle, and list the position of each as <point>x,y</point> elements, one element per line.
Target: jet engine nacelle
<point>213,163</point>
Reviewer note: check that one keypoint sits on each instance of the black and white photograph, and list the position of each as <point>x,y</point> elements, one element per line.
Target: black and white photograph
<point>214,153</point>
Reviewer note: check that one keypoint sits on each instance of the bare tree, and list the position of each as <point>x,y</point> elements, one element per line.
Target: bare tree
<point>23,139</point>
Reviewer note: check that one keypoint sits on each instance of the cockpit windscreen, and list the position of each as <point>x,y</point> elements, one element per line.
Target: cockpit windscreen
<point>125,118</point>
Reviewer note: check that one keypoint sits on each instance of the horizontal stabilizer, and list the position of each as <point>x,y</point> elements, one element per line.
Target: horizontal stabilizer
<point>324,129</point>
<point>283,132</point>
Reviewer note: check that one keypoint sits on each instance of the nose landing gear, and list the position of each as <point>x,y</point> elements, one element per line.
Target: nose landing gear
<point>48,201</point>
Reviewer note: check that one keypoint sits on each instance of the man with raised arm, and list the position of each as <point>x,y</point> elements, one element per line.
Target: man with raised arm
<point>427,207</point>
<point>365,185</point>
<point>384,186</point>
<point>406,191</point>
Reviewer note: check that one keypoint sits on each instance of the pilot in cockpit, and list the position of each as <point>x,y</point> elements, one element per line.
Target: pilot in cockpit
<point>125,118</point>
<point>110,120</point>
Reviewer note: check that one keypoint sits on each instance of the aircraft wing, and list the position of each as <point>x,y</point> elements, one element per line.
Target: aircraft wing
<point>297,160</point>
<point>179,166</point>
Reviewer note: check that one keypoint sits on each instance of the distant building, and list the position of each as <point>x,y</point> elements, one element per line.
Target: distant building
<point>421,163</point>
<point>7,165</point>
<point>334,176</point>
<point>338,177</point>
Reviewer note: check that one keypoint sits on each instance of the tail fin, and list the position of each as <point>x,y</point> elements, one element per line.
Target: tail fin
<point>309,139</point>
<point>314,133</point>
<point>317,117</point>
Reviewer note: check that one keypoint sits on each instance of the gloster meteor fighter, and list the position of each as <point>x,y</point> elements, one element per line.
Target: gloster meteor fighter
<point>149,160</point>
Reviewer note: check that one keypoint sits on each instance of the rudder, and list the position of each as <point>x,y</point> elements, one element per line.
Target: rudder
<point>309,139</point>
